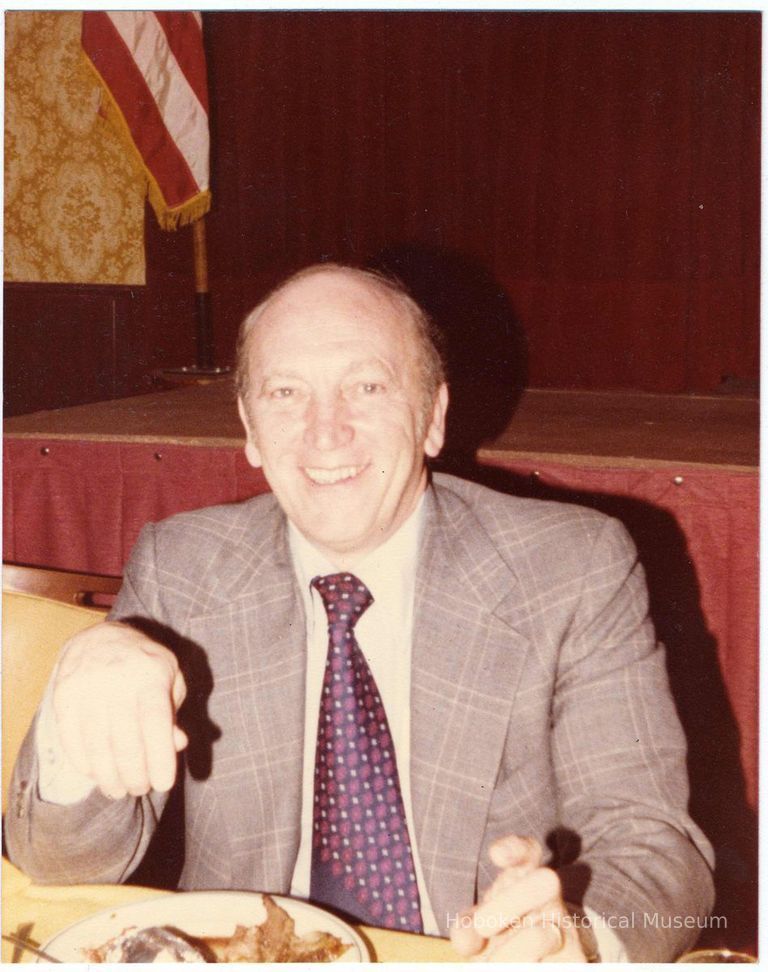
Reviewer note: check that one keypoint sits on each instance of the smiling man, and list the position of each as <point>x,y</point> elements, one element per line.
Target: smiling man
<point>418,684</point>
<point>337,410</point>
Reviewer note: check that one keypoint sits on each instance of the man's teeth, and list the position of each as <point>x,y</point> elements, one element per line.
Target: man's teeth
<point>326,476</point>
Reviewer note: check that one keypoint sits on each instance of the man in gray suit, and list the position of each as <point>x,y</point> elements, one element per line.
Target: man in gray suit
<point>506,646</point>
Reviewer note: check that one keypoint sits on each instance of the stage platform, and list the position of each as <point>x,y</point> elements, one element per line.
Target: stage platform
<point>599,428</point>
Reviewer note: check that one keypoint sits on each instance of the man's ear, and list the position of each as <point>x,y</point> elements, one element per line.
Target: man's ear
<point>252,453</point>
<point>435,437</point>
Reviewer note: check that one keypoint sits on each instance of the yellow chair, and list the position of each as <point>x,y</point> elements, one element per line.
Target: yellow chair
<point>34,629</point>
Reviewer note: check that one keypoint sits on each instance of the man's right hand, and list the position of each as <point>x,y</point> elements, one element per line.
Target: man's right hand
<point>115,698</point>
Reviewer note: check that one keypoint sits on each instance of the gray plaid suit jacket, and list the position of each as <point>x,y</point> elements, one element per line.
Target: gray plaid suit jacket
<point>540,705</point>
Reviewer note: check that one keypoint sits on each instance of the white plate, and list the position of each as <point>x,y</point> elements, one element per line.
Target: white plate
<point>200,914</point>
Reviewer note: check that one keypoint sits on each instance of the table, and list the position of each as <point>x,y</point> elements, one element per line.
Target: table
<point>52,909</point>
<point>681,472</point>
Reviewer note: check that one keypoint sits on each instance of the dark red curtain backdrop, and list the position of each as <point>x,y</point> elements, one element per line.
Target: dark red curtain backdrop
<point>596,172</point>
<point>602,167</point>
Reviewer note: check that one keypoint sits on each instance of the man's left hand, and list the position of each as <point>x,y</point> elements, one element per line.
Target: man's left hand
<point>522,916</point>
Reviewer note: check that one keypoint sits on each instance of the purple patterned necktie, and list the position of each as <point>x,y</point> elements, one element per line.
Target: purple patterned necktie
<point>361,853</point>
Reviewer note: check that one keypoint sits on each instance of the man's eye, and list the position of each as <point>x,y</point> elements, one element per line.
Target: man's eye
<point>371,388</point>
<point>282,393</point>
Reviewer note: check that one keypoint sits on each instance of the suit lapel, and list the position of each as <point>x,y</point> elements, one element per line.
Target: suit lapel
<point>467,661</point>
<point>258,629</point>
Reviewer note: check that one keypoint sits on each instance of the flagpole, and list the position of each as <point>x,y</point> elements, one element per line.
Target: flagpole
<point>203,370</point>
<point>203,331</point>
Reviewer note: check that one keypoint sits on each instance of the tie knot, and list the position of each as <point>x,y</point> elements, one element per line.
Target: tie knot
<point>345,597</point>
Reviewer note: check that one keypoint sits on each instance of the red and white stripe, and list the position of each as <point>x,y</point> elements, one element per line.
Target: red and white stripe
<point>153,66</point>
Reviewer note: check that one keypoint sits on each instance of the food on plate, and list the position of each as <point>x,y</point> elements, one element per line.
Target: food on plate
<point>156,944</point>
<point>274,940</point>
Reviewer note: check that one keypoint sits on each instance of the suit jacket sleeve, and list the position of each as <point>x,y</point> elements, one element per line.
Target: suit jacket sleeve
<point>634,856</point>
<point>97,840</point>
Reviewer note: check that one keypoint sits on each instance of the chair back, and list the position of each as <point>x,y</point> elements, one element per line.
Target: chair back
<point>34,629</point>
<point>88,590</point>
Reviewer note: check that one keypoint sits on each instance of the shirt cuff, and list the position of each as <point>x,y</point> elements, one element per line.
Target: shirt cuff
<point>58,780</point>
<point>609,945</point>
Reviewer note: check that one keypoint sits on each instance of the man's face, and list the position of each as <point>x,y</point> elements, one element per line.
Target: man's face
<point>335,415</point>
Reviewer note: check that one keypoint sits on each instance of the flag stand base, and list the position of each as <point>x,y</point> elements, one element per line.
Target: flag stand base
<point>191,375</point>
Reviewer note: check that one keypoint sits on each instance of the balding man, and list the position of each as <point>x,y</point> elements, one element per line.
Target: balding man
<point>418,683</point>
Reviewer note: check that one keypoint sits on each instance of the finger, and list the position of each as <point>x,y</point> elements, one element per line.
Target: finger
<point>570,949</point>
<point>178,690</point>
<point>515,851</point>
<point>96,734</point>
<point>67,719</point>
<point>572,952</point>
<point>463,936</point>
<point>528,943</point>
<point>506,878</point>
<point>530,893</point>
<point>509,875</point>
<point>156,720</point>
<point>179,694</point>
<point>128,752</point>
<point>516,856</point>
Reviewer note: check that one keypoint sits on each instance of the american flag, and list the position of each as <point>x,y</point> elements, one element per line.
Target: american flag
<point>152,69</point>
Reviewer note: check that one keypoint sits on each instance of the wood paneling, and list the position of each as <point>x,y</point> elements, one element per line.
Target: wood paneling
<point>68,344</point>
<point>60,345</point>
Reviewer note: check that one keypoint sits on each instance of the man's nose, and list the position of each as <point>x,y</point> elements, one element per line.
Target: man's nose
<point>328,426</point>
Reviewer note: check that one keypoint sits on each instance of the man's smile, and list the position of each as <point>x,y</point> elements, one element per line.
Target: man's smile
<point>328,477</point>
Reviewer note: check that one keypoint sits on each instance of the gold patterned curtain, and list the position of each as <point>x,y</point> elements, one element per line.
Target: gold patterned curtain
<point>74,202</point>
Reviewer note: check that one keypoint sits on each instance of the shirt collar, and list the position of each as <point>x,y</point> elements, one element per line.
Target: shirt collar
<point>389,569</point>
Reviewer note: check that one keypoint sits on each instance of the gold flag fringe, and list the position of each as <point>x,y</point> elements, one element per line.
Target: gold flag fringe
<point>188,212</point>
<point>169,218</point>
